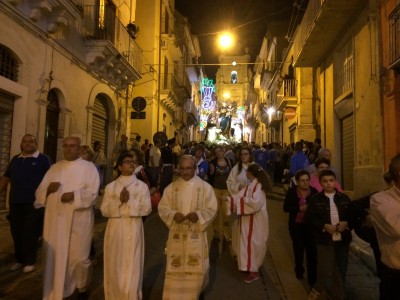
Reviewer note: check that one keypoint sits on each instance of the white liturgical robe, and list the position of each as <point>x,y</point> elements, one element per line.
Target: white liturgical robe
<point>124,238</point>
<point>68,227</point>
<point>251,207</point>
<point>234,181</point>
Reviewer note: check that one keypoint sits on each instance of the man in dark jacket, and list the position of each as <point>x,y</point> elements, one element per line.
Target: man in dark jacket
<point>329,214</point>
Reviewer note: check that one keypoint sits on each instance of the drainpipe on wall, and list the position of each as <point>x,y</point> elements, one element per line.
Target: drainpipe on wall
<point>324,104</point>
<point>159,69</point>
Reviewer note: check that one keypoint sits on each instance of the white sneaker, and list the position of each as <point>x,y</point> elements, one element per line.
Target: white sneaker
<point>16,267</point>
<point>28,269</point>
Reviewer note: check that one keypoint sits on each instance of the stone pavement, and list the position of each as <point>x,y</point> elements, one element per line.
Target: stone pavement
<point>278,280</point>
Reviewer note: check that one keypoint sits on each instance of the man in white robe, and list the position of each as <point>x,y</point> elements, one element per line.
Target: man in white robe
<point>125,202</point>
<point>68,191</point>
<point>187,207</point>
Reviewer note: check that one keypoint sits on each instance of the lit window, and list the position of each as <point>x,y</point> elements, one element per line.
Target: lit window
<point>234,77</point>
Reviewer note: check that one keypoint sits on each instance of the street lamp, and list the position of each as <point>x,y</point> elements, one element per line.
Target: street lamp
<point>270,112</point>
<point>225,40</point>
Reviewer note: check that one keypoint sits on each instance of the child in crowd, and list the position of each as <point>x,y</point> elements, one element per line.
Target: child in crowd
<point>329,214</point>
<point>251,207</point>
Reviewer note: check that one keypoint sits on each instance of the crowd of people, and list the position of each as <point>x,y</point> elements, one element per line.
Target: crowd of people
<point>220,192</point>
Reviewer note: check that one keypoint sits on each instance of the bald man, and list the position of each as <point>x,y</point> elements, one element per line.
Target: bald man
<point>68,191</point>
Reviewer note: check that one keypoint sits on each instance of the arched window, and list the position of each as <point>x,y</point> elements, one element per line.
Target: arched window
<point>234,78</point>
<point>8,64</point>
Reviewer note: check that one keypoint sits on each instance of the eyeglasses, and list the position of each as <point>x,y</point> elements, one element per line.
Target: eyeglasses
<point>128,162</point>
<point>246,153</point>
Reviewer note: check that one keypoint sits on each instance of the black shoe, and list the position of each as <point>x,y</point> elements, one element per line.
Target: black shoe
<point>82,295</point>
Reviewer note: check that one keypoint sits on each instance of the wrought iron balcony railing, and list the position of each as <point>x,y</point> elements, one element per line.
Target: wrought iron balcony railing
<point>287,94</point>
<point>100,23</point>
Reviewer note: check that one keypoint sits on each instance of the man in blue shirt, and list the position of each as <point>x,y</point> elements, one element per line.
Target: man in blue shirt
<point>260,155</point>
<point>299,161</point>
<point>24,173</point>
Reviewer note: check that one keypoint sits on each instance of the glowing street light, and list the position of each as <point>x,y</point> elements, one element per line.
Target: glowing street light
<point>225,40</point>
<point>270,112</point>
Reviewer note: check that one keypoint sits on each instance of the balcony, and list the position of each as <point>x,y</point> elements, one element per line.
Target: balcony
<point>287,95</point>
<point>322,23</point>
<point>344,78</point>
<point>179,116</point>
<point>394,38</point>
<point>50,16</point>
<point>192,113</point>
<point>276,119</point>
<point>171,93</point>
<point>110,50</point>
<point>266,77</point>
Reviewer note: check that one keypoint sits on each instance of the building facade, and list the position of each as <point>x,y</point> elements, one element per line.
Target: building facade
<point>389,17</point>
<point>67,69</point>
<point>329,86</point>
<point>169,82</point>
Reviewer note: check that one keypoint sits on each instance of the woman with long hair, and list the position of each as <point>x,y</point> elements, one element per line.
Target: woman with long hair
<point>236,181</point>
<point>220,168</point>
<point>250,205</point>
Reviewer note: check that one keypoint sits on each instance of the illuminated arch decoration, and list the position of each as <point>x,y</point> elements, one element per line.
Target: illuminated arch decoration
<point>208,105</point>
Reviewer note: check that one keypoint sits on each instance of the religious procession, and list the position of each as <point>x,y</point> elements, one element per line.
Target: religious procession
<point>211,199</point>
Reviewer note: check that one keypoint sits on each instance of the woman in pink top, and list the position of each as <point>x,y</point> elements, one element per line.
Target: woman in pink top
<point>322,164</point>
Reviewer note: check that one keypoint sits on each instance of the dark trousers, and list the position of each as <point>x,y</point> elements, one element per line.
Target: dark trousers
<point>26,224</point>
<point>390,283</point>
<point>155,174</point>
<point>166,177</point>
<point>303,241</point>
<point>332,268</point>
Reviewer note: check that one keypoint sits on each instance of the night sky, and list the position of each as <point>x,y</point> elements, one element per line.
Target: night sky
<point>248,19</point>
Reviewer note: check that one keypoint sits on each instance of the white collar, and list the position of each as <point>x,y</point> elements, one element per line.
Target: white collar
<point>35,154</point>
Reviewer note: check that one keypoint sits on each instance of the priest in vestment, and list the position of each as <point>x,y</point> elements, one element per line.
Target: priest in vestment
<point>68,192</point>
<point>187,207</point>
<point>126,200</point>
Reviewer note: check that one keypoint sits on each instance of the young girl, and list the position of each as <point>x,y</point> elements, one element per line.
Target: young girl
<point>251,207</point>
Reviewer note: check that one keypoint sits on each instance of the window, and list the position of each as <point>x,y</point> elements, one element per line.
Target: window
<point>166,83</point>
<point>166,22</point>
<point>344,70</point>
<point>8,64</point>
<point>234,77</point>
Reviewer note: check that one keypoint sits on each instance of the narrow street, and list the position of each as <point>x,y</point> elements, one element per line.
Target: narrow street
<point>225,281</point>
